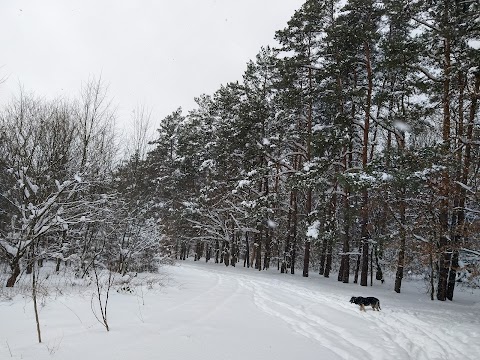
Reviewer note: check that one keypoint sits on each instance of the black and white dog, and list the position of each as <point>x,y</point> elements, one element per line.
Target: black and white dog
<point>366,301</point>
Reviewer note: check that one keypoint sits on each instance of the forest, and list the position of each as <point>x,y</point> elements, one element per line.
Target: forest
<point>350,149</point>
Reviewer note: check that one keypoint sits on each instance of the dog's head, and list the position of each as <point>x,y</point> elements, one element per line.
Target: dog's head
<point>353,299</point>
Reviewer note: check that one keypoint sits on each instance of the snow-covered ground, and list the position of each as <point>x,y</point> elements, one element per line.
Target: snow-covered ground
<point>209,311</point>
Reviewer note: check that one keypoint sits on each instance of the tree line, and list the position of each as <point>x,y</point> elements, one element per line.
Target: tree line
<point>59,196</point>
<point>352,146</point>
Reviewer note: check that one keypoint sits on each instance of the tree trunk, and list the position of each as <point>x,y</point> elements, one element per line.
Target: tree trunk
<point>444,248</point>
<point>365,235</point>
<point>344,273</point>
<point>226,253</point>
<point>308,205</point>
<point>401,252</point>
<point>328,263</point>
<point>197,251</point>
<point>57,266</point>
<point>287,253</point>
<point>247,252</point>
<point>357,268</point>
<point>379,272</point>
<point>258,260</point>
<point>306,258</point>
<point>323,251</point>
<point>432,275</point>
<point>15,267</point>
<point>293,249</point>
<point>29,267</point>
<point>35,307</point>
<point>266,259</point>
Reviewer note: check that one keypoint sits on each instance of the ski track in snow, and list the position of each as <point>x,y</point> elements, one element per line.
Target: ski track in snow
<point>200,305</point>
<point>329,319</point>
<point>303,323</point>
<point>209,311</point>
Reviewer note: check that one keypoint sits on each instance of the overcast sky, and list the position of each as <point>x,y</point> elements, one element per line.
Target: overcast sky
<point>156,53</point>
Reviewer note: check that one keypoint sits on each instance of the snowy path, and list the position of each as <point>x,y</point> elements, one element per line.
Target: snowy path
<point>208,311</point>
<point>324,315</point>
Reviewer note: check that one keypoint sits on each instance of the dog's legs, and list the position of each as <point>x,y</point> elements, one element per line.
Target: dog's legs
<point>362,308</point>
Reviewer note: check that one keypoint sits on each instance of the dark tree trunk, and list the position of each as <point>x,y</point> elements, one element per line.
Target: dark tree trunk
<point>371,268</point>
<point>226,253</point>
<point>432,274</point>
<point>30,261</point>
<point>197,251</point>
<point>326,256</point>
<point>267,255</point>
<point>321,269</point>
<point>29,267</point>
<point>258,260</point>
<point>287,251</point>
<point>293,249</point>
<point>208,252</point>
<point>357,268</point>
<point>366,127</point>
<point>345,273</point>
<point>328,263</point>
<point>15,266</point>
<point>306,258</point>
<point>308,204</point>
<point>365,251</point>
<point>379,272</point>
<point>217,251</point>
<point>401,251</point>
<point>247,252</point>
<point>183,251</point>
<point>445,252</point>
<point>233,253</point>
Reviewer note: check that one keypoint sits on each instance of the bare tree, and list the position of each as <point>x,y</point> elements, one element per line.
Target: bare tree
<point>140,137</point>
<point>95,120</point>
<point>47,190</point>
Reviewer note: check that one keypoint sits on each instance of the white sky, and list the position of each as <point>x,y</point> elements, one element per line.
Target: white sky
<point>157,53</point>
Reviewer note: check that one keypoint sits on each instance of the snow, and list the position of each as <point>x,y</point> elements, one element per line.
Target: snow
<point>400,125</point>
<point>272,224</point>
<point>312,231</point>
<point>243,183</point>
<point>386,177</point>
<point>11,250</point>
<point>429,171</point>
<point>209,311</point>
<point>208,164</point>
<point>308,165</point>
<point>319,127</point>
<point>474,43</point>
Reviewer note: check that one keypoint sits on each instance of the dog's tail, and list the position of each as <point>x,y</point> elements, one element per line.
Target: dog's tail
<point>378,305</point>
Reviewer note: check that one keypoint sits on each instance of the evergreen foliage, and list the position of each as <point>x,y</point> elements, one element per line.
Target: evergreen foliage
<point>356,138</point>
